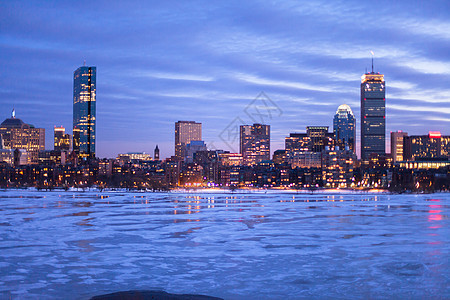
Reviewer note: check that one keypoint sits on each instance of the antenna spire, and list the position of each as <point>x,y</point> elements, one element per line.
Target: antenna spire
<point>84,63</point>
<point>13,113</point>
<point>372,60</point>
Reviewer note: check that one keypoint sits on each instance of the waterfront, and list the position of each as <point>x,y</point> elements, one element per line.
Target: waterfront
<point>230,245</point>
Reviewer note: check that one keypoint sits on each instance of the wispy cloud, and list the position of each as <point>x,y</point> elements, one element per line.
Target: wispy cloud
<point>172,76</point>
<point>160,62</point>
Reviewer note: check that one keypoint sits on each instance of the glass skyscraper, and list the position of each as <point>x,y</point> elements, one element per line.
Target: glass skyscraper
<point>254,143</point>
<point>344,127</point>
<point>84,92</point>
<point>373,115</point>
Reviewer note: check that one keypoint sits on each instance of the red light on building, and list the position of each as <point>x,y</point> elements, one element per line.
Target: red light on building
<point>434,134</point>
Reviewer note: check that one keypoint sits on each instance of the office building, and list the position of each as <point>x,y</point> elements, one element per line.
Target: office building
<point>231,159</point>
<point>134,156</point>
<point>16,134</point>
<point>185,132</point>
<point>52,157</point>
<point>191,148</point>
<point>62,140</point>
<point>15,157</point>
<point>319,138</point>
<point>373,115</point>
<point>254,143</point>
<point>397,139</point>
<point>305,159</point>
<point>315,139</point>
<point>344,128</point>
<point>427,147</point>
<point>296,142</point>
<point>279,156</point>
<point>84,111</point>
<point>337,167</point>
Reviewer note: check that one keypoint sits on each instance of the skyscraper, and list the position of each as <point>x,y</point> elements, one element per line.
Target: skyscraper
<point>373,115</point>
<point>344,127</point>
<point>397,141</point>
<point>185,132</point>
<point>84,93</point>
<point>254,143</point>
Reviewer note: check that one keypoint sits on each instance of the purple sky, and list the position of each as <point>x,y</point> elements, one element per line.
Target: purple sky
<point>163,61</point>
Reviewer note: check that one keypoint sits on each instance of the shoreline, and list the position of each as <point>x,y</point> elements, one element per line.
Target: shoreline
<point>209,190</point>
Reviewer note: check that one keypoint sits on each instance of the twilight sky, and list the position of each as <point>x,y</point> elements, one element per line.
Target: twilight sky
<point>163,61</point>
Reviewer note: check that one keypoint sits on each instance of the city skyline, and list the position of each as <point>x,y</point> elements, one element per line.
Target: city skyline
<point>306,58</point>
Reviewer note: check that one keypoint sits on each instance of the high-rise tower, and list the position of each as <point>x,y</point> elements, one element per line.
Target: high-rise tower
<point>397,149</point>
<point>185,132</point>
<point>344,127</point>
<point>373,115</point>
<point>254,143</point>
<point>84,93</point>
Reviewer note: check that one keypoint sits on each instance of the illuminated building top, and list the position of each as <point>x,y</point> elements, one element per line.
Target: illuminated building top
<point>434,134</point>
<point>372,77</point>
<point>343,110</point>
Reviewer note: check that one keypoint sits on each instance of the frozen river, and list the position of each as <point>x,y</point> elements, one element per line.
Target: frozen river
<point>75,245</point>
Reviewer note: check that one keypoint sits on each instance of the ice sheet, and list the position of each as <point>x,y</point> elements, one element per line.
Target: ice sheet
<point>75,245</point>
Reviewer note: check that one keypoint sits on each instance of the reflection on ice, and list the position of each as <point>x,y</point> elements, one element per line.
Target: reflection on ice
<point>234,246</point>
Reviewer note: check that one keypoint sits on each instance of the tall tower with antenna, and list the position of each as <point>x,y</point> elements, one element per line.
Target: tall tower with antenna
<point>373,115</point>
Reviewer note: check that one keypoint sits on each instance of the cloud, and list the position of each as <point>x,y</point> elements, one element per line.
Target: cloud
<point>160,62</point>
<point>172,76</point>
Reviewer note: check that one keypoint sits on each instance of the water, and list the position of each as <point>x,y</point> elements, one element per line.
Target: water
<point>75,245</point>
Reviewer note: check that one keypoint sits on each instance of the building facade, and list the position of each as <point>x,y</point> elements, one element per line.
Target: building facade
<point>156,153</point>
<point>185,132</point>
<point>431,146</point>
<point>15,134</point>
<point>191,148</point>
<point>319,138</point>
<point>337,167</point>
<point>84,111</point>
<point>344,128</point>
<point>397,139</point>
<point>296,142</point>
<point>254,143</point>
<point>62,140</point>
<point>305,159</point>
<point>373,115</point>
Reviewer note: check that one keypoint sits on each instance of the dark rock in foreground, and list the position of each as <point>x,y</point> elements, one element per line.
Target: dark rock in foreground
<point>151,295</point>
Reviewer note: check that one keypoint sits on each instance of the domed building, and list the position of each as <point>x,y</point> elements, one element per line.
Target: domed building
<point>16,134</point>
<point>344,127</point>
